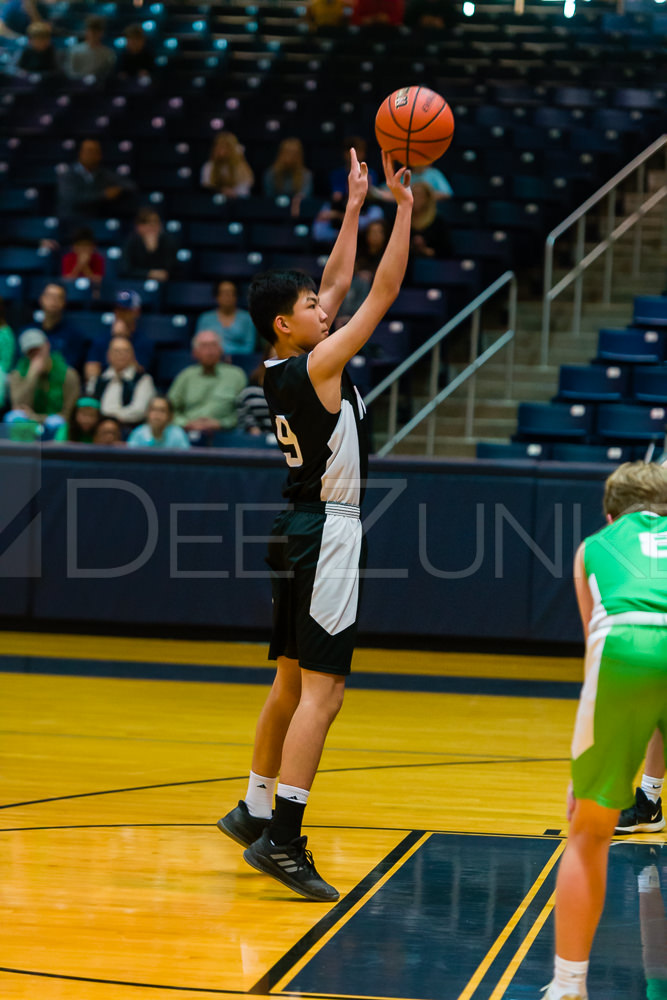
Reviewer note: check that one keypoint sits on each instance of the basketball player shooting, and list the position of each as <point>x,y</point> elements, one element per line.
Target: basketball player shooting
<point>316,545</point>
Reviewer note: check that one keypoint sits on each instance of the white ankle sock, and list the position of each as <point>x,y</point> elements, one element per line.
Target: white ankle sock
<point>652,787</point>
<point>293,793</point>
<point>569,978</point>
<point>648,879</point>
<point>259,797</point>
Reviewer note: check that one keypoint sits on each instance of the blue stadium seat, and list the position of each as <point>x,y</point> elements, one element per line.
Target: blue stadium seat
<point>169,362</point>
<point>25,260</point>
<point>187,295</point>
<point>432,273</point>
<point>650,310</point>
<point>29,228</point>
<point>248,362</point>
<point>631,345</point>
<point>229,264</point>
<point>151,292</point>
<point>265,236</point>
<point>419,303</point>
<point>554,421</point>
<point>217,234</point>
<point>514,449</point>
<point>625,422</point>
<point>649,385</point>
<point>605,383</point>
<point>167,329</point>
<point>312,264</point>
<point>592,453</point>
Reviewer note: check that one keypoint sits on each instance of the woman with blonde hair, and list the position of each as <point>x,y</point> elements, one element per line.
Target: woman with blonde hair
<point>227,171</point>
<point>430,233</point>
<point>288,174</point>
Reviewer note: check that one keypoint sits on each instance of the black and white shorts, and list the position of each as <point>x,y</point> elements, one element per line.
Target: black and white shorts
<point>315,553</point>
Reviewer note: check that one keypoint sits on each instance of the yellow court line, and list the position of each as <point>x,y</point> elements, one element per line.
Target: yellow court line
<point>485,964</point>
<point>303,961</point>
<point>254,654</point>
<point>523,949</point>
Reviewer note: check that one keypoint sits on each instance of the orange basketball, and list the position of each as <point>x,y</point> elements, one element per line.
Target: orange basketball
<point>415,125</point>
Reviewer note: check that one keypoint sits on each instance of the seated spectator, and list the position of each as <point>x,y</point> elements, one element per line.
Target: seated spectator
<point>227,170</point>
<point>127,314</point>
<point>39,55</point>
<point>42,387</point>
<point>288,174</point>
<point>16,16</point>
<point>90,57</point>
<point>369,13</point>
<point>159,431</point>
<point>435,179</point>
<point>149,252</point>
<point>204,395</point>
<point>7,352</point>
<point>233,325</point>
<point>338,176</point>
<point>64,336</point>
<point>108,432</point>
<point>430,14</point>
<point>326,14</point>
<point>84,259</point>
<point>136,59</point>
<point>83,422</point>
<point>430,233</point>
<point>123,390</point>
<point>371,245</point>
<point>327,222</point>
<point>87,189</point>
<point>254,416</point>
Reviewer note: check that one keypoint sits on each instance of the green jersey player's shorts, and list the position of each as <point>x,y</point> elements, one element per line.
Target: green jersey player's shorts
<point>316,551</point>
<point>623,700</point>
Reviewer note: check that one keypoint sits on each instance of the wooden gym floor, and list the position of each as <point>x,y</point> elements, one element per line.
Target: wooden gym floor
<point>438,813</point>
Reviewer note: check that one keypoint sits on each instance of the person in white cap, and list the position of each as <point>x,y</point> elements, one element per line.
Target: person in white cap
<point>42,387</point>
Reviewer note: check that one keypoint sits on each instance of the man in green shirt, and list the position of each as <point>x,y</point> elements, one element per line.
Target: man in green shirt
<point>204,395</point>
<point>43,388</point>
<point>621,584</point>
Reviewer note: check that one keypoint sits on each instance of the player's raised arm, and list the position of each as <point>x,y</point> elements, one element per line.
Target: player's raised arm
<point>337,275</point>
<point>329,357</point>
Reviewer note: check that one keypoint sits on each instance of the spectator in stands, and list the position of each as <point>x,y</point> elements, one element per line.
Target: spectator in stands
<point>127,313</point>
<point>430,14</point>
<point>435,179</point>
<point>430,232</point>
<point>7,352</point>
<point>16,16</point>
<point>327,222</point>
<point>253,410</point>
<point>227,170</point>
<point>288,174</point>
<point>369,13</point>
<point>90,57</point>
<point>136,59</point>
<point>372,243</point>
<point>124,391</point>
<point>159,431</point>
<point>64,336</point>
<point>338,176</point>
<point>84,259</point>
<point>326,14</point>
<point>204,395</point>
<point>108,432</point>
<point>88,189</point>
<point>232,325</point>
<point>83,422</point>
<point>43,388</point>
<point>149,252</point>
<point>39,55</point>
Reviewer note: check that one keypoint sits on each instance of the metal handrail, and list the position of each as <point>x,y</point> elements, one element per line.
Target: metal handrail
<point>433,345</point>
<point>583,261</point>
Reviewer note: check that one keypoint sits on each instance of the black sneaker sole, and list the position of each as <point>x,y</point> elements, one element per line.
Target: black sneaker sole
<point>229,832</point>
<point>284,879</point>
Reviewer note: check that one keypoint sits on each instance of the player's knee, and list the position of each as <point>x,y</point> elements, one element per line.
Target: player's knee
<point>593,824</point>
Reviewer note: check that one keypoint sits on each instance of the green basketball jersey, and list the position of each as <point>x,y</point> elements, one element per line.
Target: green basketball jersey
<point>626,566</point>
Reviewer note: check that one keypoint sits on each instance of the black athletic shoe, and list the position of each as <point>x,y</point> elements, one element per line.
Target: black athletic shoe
<point>241,826</point>
<point>292,865</point>
<point>643,817</point>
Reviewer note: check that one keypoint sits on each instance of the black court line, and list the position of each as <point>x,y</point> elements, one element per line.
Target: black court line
<point>120,982</point>
<point>303,946</point>
<point>137,670</point>
<point>555,834</point>
<point>328,770</point>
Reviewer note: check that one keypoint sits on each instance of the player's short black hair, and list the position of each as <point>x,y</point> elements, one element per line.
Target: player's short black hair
<point>273,293</point>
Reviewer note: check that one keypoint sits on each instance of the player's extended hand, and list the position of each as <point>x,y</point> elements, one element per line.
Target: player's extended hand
<point>357,179</point>
<point>399,182</point>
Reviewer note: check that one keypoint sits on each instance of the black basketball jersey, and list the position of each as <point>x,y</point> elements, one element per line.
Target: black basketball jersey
<point>326,453</point>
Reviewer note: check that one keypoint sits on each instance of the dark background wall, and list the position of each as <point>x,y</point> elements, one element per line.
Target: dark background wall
<point>457,550</point>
